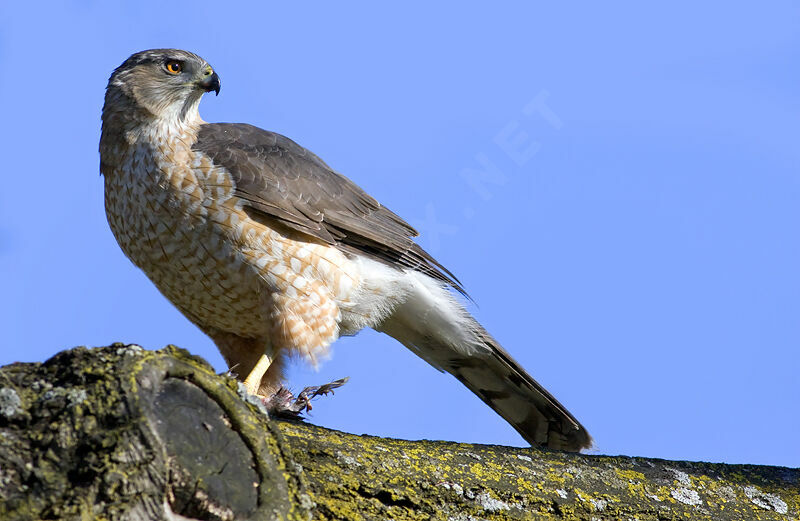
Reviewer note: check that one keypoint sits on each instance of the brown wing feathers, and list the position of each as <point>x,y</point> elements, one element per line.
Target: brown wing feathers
<point>282,180</point>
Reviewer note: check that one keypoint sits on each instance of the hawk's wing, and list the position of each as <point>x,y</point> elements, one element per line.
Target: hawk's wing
<point>279,179</point>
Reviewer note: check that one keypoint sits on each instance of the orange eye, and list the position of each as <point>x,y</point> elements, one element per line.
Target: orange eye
<point>174,67</point>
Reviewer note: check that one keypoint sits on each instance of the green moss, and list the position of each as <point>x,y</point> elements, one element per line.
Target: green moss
<point>78,451</point>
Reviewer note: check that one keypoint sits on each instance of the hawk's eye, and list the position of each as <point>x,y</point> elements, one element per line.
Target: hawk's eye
<point>174,67</point>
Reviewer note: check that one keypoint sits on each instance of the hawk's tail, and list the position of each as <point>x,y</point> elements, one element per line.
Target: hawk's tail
<point>433,324</point>
<point>507,388</point>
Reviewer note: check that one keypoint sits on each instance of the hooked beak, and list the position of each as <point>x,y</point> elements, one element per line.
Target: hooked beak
<point>210,82</point>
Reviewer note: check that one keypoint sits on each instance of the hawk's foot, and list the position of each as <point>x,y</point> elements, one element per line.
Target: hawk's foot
<point>283,404</point>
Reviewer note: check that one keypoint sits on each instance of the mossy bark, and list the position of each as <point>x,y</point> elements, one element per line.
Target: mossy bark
<point>123,433</point>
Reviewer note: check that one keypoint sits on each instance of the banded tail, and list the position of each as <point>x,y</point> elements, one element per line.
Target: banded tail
<point>433,324</point>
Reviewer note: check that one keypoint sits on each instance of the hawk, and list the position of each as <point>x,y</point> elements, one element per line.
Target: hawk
<point>271,252</point>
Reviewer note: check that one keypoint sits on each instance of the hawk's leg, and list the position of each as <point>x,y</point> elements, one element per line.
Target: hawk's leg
<point>263,367</point>
<point>253,380</point>
<point>253,359</point>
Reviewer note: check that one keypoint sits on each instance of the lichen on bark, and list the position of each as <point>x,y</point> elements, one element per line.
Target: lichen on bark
<point>123,433</point>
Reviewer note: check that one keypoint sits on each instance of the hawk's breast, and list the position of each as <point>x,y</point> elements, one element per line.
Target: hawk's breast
<point>175,220</point>
<point>180,222</point>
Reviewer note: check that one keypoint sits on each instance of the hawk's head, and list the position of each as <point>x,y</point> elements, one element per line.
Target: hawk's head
<point>162,83</point>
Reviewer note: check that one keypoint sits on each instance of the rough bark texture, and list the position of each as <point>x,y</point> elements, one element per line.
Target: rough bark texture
<point>123,433</point>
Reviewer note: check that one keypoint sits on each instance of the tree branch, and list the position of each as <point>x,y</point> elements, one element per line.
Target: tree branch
<point>123,433</point>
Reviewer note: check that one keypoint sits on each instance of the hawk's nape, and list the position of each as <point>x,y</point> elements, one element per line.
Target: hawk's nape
<point>271,252</point>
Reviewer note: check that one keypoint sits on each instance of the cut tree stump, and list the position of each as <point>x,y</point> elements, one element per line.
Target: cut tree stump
<point>121,433</point>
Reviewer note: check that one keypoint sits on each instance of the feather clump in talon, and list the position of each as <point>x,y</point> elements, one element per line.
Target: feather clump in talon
<point>283,404</point>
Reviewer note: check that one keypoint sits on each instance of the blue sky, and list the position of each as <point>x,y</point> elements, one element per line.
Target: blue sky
<point>634,243</point>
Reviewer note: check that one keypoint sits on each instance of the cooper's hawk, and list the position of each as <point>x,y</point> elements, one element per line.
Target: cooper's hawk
<point>271,252</point>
